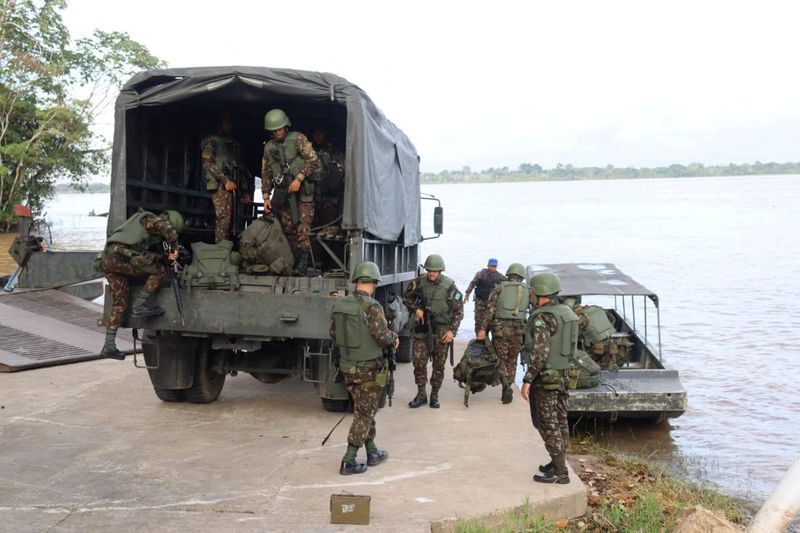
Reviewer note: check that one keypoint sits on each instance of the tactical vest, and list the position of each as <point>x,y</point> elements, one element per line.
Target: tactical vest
<point>563,342</point>
<point>223,158</point>
<point>132,233</point>
<point>599,328</point>
<point>280,153</point>
<point>353,336</point>
<point>512,301</point>
<point>486,283</point>
<point>436,295</point>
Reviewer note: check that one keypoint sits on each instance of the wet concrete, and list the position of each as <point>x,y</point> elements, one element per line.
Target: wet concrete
<point>89,447</point>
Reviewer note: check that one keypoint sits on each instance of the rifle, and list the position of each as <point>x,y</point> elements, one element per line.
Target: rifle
<point>428,327</point>
<point>172,271</point>
<point>234,173</point>
<point>286,174</point>
<point>388,353</point>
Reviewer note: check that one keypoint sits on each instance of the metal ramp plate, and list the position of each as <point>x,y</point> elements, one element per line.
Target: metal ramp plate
<point>21,350</point>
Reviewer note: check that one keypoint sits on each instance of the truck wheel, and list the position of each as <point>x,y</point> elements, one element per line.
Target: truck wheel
<point>170,395</point>
<point>335,406</point>
<point>403,354</point>
<point>207,383</point>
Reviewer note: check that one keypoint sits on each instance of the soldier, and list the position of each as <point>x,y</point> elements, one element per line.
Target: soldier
<point>551,338</point>
<point>330,184</point>
<point>289,159</point>
<point>506,312</point>
<point>221,166</point>
<point>360,330</point>
<point>595,334</point>
<point>483,283</point>
<point>433,294</point>
<point>127,253</point>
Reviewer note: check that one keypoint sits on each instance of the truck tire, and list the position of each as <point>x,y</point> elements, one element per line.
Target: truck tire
<point>207,383</point>
<point>335,406</point>
<point>169,395</point>
<point>403,354</point>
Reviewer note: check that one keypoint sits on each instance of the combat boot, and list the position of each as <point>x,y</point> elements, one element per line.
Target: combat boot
<point>546,469</point>
<point>301,267</point>
<point>141,307</point>
<point>434,398</point>
<point>375,455</point>
<point>110,349</point>
<point>349,465</point>
<point>420,399</point>
<point>508,395</point>
<point>557,474</point>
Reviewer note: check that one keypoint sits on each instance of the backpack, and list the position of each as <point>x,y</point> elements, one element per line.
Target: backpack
<point>478,367</point>
<point>584,372</point>
<point>265,249</point>
<point>211,267</point>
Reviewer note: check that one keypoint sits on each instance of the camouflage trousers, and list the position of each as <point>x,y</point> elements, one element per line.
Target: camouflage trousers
<point>118,269</point>
<point>366,393</point>
<point>549,416</point>
<point>480,308</point>
<point>609,354</point>
<point>223,210</point>
<point>507,348</point>
<point>297,234</point>
<point>419,358</point>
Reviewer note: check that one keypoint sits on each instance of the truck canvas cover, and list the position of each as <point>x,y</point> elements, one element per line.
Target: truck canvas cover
<point>382,165</point>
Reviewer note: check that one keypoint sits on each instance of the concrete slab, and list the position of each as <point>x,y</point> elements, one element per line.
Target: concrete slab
<point>90,447</point>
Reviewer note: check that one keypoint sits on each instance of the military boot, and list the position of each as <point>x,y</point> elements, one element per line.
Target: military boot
<point>434,398</point>
<point>559,473</point>
<point>508,395</point>
<point>110,349</point>
<point>141,307</point>
<point>349,465</point>
<point>420,399</point>
<point>375,455</point>
<point>545,469</point>
<point>301,267</point>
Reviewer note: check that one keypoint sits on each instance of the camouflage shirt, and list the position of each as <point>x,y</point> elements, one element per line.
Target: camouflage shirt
<point>455,302</point>
<point>491,307</point>
<point>162,227</point>
<point>304,150</point>
<point>376,322</point>
<point>496,278</point>
<point>544,325</point>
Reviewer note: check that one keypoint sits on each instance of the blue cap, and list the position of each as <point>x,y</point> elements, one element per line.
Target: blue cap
<point>492,262</point>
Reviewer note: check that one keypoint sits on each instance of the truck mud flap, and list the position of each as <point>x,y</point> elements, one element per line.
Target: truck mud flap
<point>170,360</point>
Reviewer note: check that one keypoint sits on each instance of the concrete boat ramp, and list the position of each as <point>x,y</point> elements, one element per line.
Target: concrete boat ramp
<point>88,447</point>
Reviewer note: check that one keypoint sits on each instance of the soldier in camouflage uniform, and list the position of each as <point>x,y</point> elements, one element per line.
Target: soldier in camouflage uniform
<point>360,330</point>
<point>288,165</point>
<point>128,254</point>
<point>330,184</point>
<point>221,166</point>
<point>551,339</point>
<point>595,335</point>
<point>441,297</point>
<point>506,312</point>
<point>483,283</point>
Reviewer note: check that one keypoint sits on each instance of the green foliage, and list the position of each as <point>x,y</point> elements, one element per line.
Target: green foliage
<point>529,172</point>
<point>51,91</point>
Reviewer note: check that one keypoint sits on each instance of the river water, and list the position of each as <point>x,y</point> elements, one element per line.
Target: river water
<point>722,254</point>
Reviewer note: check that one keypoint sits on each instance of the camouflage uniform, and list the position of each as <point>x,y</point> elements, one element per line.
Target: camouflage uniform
<point>483,282</point>
<point>507,337</point>
<point>607,353</point>
<point>215,181</point>
<point>117,265</point>
<point>330,184</point>
<point>548,407</point>
<point>296,234</point>
<point>455,302</point>
<point>361,378</point>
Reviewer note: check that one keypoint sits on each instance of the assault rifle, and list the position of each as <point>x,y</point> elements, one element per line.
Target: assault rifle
<point>428,327</point>
<point>286,174</point>
<point>172,272</point>
<point>388,354</point>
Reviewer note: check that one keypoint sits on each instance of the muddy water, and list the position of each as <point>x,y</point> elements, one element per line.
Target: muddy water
<point>722,253</point>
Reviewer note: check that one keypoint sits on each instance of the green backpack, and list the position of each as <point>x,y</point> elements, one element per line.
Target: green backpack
<point>584,373</point>
<point>212,267</point>
<point>265,249</point>
<point>478,368</point>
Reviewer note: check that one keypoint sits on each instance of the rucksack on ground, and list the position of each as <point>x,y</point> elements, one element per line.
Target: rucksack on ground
<point>265,249</point>
<point>212,267</point>
<point>478,368</point>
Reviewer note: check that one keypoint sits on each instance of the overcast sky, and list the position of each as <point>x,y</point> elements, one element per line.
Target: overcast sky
<point>493,83</point>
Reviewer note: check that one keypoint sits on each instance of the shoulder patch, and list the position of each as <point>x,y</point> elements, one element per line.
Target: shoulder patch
<point>457,296</point>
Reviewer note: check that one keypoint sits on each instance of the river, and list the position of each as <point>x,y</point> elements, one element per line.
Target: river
<point>722,253</point>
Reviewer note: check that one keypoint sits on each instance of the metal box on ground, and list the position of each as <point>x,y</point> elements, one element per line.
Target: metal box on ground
<point>350,509</point>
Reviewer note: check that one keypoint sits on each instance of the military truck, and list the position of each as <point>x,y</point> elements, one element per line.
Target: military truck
<point>272,327</point>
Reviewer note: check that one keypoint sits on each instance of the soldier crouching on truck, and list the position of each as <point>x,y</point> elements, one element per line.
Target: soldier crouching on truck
<point>438,307</point>
<point>127,254</point>
<point>222,169</point>
<point>360,330</point>
<point>289,160</point>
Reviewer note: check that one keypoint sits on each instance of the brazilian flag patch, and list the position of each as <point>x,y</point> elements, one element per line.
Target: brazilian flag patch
<point>457,296</point>
<point>538,323</point>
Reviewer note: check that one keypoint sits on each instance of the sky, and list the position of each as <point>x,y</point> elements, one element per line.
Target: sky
<point>496,83</point>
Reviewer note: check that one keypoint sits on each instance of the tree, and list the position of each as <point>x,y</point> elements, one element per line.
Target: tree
<point>51,90</point>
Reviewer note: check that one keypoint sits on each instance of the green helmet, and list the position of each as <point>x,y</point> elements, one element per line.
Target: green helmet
<point>368,270</point>
<point>175,219</point>
<point>434,263</point>
<point>571,302</point>
<point>276,119</point>
<point>516,269</point>
<point>545,284</point>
